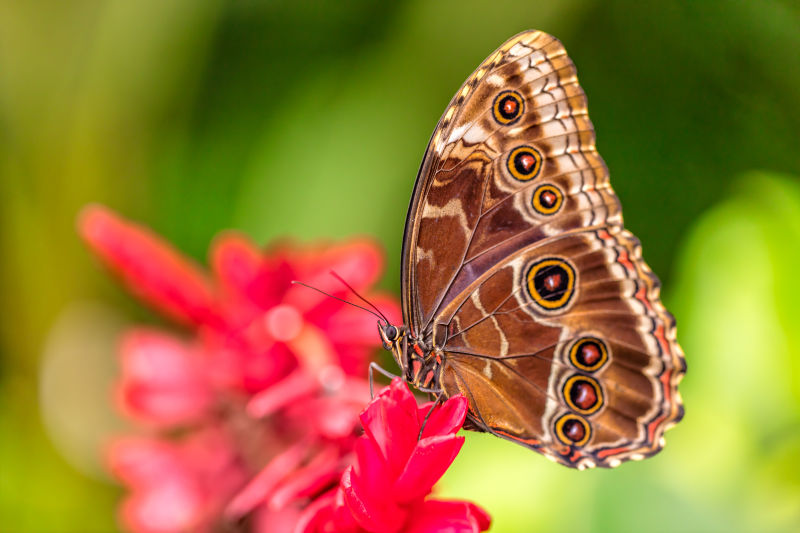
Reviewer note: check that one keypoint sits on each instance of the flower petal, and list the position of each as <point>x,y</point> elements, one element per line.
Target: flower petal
<point>264,483</point>
<point>371,468</point>
<point>150,267</point>
<point>481,516</point>
<point>264,520</point>
<point>168,485</point>
<point>235,260</point>
<point>317,515</point>
<point>173,505</point>
<point>446,419</point>
<point>321,472</point>
<point>390,420</point>
<point>430,460</point>
<point>265,367</point>
<point>163,381</point>
<point>342,517</point>
<point>313,349</point>
<point>373,512</point>
<point>332,417</point>
<point>296,385</point>
<point>436,516</point>
<point>358,262</point>
<point>140,460</point>
<point>249,276</point>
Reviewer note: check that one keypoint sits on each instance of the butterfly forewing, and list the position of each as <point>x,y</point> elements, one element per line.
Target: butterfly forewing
<point>516,267</point>
<point>466,202</point>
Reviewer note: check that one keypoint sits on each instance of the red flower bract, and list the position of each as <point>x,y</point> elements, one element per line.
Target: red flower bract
<point>396,468</point>
<point>253,412</point>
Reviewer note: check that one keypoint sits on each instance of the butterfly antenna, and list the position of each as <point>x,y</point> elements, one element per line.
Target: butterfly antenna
<point>337,276</point>
<point>380,316</point>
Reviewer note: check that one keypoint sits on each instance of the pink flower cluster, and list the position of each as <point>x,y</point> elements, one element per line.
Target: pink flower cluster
<point>250,417</point>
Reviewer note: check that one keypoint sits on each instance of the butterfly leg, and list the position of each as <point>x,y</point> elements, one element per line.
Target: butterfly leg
<point>430,412</point>
<point>373,367</point>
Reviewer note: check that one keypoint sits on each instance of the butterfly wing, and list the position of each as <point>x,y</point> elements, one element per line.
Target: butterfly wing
<point>511,180</point>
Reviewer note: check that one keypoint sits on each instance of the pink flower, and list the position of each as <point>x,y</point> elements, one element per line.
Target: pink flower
<point>252,413</point>
<point>258,323</point>
<point>395,471</point>
<point>163,379</point>
<point>178,486</point>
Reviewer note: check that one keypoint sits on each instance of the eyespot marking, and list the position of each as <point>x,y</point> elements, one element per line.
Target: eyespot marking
<point>583,394</point>
<point>524,163</point>
<point>573,430</point>
<point>551,283</point>
<point>508,107</point>
<point>588,354</point>
<point>547,199</point>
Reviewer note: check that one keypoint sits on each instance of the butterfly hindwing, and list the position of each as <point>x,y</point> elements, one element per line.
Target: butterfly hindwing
<point>569,328</point>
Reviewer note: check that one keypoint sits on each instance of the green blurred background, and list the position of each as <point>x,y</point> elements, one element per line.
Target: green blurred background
<point>309,119</point>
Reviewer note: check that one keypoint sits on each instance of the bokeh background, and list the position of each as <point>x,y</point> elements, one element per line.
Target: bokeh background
<point>309,119</point>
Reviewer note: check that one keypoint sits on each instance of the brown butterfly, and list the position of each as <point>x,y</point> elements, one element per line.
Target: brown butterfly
<point>521,288</point>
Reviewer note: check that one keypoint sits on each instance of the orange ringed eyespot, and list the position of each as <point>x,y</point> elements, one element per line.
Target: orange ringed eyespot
<point>508,107</point>
<point>547,199</point>
<point>524,163</point>
<point>551,283</point>
<point>583,394</point>
<point>573,430</point>
<point>588,354</point>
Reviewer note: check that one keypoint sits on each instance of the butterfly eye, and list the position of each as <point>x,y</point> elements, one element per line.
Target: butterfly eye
<point>508,106</point>
<point>391,333</point>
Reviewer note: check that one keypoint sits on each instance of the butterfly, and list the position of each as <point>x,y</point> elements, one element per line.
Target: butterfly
<point>521,289</point>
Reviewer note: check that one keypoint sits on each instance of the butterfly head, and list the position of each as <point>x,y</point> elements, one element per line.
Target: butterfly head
<point>394,340</point>
<point>390,335</point>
